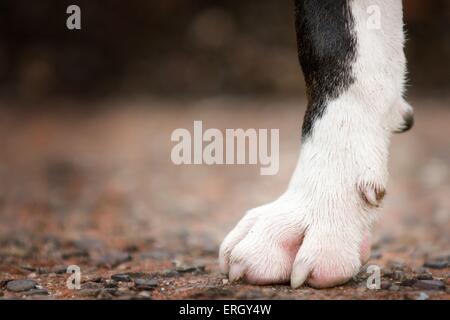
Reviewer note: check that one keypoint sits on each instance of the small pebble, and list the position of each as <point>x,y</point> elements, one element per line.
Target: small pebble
<point>436,264</point>
<point>144,294</point>
<point>411,296</point>
<point>424,276</point>
<point>145,284</point>
<point>111,284</point>
<point>423,296</point>
<point>185,268</point>
<point>89,292</point>
<point>188,269</point>
<point>408,282</point>
<point>60,269</point>
<point>92,278</point>
<point>20,285</point>
<point>225,281</point>
<point>91,285</point>
<point>121,277</point>
<point>430,284</point>
<point>169,273</point>
<point>28,267</point>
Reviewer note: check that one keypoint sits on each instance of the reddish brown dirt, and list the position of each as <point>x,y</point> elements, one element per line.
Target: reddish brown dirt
<point>99,191</point>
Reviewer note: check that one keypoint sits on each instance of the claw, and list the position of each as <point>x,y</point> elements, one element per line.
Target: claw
<point>236,272</point>
<point>300,272</point>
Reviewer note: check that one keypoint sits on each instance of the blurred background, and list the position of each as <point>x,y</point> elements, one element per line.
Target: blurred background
<point>85,124</point>
<point>176,48</point>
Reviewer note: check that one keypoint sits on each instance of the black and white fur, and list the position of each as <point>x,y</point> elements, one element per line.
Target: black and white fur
<point>318,231</point>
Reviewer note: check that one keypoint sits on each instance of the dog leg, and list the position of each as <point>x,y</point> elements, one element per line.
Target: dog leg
<point>318,231</point>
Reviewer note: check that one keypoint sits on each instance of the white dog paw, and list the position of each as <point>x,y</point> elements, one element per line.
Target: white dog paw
<point>235,236</point>
<point>278,243</point>
<point>326,258</point>
<point>265,255</point>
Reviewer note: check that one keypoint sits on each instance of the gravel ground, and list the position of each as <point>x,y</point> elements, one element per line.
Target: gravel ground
<point>99,191</point>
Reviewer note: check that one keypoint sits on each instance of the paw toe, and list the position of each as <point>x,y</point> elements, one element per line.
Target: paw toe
<point>300,273</point>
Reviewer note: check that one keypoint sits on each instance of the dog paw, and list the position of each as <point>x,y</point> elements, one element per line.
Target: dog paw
<point>327,259</point>
<point>280,243</point>
<point>262,247</point>
<point>266,254</point>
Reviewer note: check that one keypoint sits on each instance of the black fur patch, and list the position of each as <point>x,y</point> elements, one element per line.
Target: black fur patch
<point>327,50</point>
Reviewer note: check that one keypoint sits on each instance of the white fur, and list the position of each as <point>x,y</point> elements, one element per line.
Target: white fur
<point>315,230</point>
